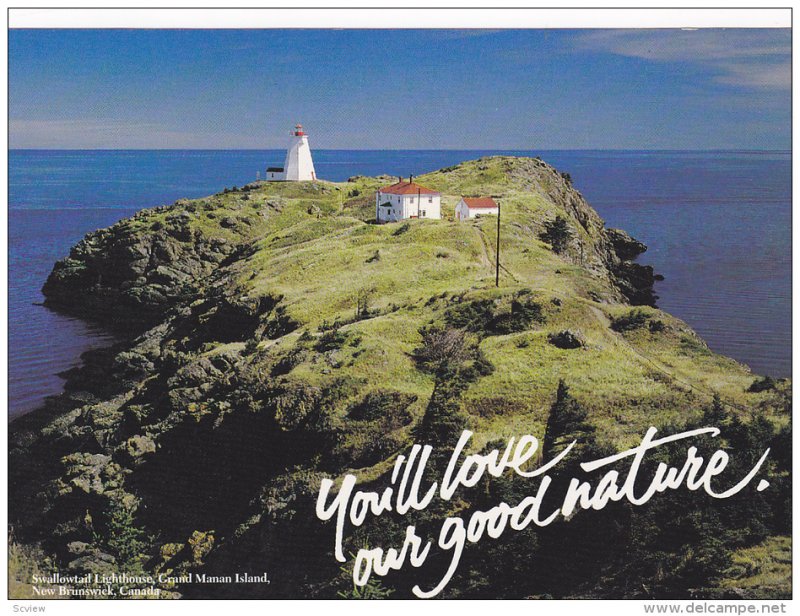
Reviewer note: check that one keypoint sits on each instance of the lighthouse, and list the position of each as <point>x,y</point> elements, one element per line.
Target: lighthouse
<point>299,166</point>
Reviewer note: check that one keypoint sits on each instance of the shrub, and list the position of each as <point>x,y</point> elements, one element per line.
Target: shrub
<point>635,319</point>
<point>382,403</point>
<point>485,316</point>
<point>473,316</point>
<point>333,339</point>
<point>294,402</point>
<point>443,420</point>
<point>287,362</point>
<point>401,229</point>
<point>524,312</point>
<point>568,421</point>
<point>327,325</point>
<point>372,445</point>
<point>24,562</point>
<point>566,340</point>
<point>125,539</point>
<point>373,589</point>
<point>762,384</point>
<point>363,301</point>
<point>280,324</point>
<point>557,233</point>
<point>440,347</point>
<point>251,346</point>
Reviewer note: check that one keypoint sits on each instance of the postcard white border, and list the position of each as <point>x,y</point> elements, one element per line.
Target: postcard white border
<point>408,17</point>
<point>575,17</point>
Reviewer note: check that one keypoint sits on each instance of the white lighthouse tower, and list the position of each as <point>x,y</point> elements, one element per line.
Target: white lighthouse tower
<point>299,166</point>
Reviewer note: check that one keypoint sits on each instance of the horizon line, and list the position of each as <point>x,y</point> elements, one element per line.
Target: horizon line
<point>39,149</point>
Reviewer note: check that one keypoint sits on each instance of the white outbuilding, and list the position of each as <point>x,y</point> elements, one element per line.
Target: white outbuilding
<point>470,207</point>
<point>274,174</point>
<point>299,166</point>
<point>404,200</point>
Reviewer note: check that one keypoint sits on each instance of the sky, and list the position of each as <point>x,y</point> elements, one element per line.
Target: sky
<point>401,89</point>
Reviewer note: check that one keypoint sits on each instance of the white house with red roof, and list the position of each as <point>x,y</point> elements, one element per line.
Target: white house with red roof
<point>404,200</point>
<point>470,207</point>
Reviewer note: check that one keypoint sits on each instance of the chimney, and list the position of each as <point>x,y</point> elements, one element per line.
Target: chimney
<point>410,179</point>
<point>400,179</point>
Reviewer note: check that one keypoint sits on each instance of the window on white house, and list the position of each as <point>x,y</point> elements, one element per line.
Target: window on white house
<point>430,199</point>
<point>423,212</point>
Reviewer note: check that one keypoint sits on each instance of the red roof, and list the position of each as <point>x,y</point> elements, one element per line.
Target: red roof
<point>407,188</point>
<point>480,202</point>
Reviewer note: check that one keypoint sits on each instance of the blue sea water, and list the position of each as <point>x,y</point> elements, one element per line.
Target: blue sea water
<point>718,227</point>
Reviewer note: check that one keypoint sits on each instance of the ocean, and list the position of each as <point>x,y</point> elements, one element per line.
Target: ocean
<point>717,224</point>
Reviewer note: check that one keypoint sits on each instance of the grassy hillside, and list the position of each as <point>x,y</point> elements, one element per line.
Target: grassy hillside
<point>763,571</point>
<point>275,335</point>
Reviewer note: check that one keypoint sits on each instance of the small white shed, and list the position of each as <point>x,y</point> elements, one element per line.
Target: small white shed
<point>470,207</point>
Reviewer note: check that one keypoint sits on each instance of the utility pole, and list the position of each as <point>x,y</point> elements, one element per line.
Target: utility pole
<point>497,255</point>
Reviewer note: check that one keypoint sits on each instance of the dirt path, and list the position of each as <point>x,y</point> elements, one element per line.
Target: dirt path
<point>487,259</point>
<point>485,255</point>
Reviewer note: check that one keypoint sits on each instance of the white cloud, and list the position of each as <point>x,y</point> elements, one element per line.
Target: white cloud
<point>105,134</point>
<point>777,75</point>
<point>743,57</point>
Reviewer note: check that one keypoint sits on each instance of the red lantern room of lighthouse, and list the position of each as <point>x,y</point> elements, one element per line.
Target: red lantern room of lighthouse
<point>298,130</point>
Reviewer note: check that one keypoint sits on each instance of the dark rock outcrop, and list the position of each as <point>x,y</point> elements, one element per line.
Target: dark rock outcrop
<point>636,282</point>
<point>626,247</point>
<point>127,276</point>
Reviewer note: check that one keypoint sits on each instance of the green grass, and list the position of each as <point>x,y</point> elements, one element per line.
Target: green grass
<point>763,571</point>
<point>315,245</point>
<point>23,563</point>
